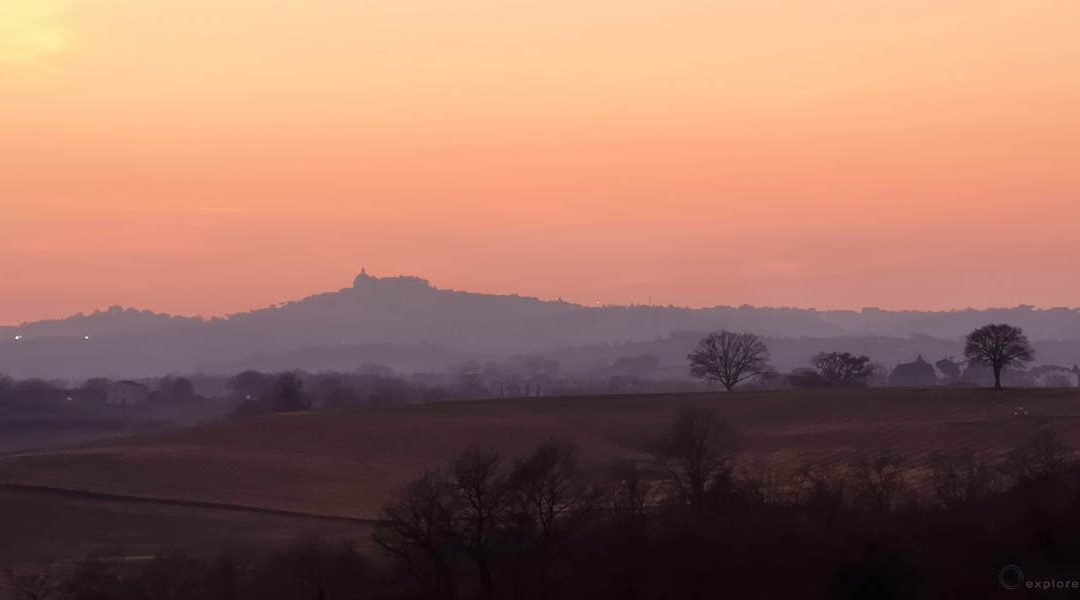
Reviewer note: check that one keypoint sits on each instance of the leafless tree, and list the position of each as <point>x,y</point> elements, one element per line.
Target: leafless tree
<point>548,503</point>
<point>961,478</point>
<point>998,346</point>
<point>1041,456</point>
<point>880,482</point>
<point>419,530</point>
<point>729,358</point>
<point>547,492</point>
<point>483,493</point>
<point>695,453</point>
<point>843,369</point>
<point>820,489</point>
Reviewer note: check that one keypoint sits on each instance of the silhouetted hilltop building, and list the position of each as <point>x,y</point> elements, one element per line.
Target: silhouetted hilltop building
<point>913,374</point>
<point>365,281</point>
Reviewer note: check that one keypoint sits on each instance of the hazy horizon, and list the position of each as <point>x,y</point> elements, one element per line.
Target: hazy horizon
<point>511,293</point>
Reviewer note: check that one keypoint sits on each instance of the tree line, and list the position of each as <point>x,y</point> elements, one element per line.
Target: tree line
<point>730,359</point>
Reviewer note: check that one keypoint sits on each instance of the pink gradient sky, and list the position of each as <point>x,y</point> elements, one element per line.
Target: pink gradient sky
<point>205,157</point>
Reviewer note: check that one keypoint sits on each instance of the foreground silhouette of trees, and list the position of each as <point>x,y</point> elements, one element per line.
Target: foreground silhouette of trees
<point>729,358</point>
<point>540,527</point>
<point>703,528</point>
<point>481,516</point>
<point>998,346</point>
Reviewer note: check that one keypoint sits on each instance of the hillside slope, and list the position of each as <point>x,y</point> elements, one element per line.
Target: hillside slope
<point>417,326</point>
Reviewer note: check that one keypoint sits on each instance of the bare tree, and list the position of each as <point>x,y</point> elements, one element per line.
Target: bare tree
<point>695,453</point>
<point>820,489</point>
<point>1042,456</point>
<point>880,482</point>
<point>547,492</point>
<point>843,369</point>
<point>998,346</point>
<point>729,358</point>
<point>483,493</point>
<point>548,504</point>
<point>419,530</point>
<point>961,478</point>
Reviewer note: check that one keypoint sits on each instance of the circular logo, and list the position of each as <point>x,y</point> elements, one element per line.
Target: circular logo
<point>1011,577</point>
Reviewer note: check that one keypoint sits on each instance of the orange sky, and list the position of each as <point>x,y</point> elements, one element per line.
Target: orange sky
<point>202,157</point>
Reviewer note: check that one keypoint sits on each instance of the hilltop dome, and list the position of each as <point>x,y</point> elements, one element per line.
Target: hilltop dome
<point>363,278</point>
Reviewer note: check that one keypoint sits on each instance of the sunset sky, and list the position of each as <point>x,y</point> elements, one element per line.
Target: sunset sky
<point>205,157</point>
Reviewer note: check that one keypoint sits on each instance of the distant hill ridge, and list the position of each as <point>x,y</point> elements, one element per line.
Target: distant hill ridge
<point>408,311</point>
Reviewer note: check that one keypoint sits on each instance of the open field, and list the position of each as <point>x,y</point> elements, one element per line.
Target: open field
<point>49,525</point>
<point>347,464</point>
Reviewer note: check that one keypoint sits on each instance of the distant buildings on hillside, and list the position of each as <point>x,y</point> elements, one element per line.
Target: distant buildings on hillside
<point>920,373</point>
<point>914,374</point>
<point>366,281</point>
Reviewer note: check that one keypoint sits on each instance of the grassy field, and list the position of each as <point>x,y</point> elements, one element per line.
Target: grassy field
<point>40,526</point>
<point>347,464</point>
